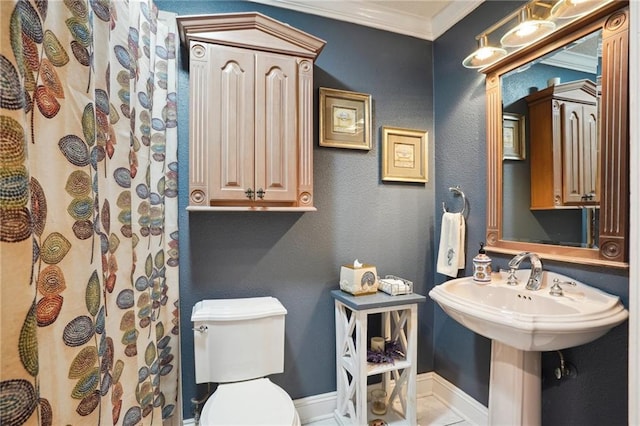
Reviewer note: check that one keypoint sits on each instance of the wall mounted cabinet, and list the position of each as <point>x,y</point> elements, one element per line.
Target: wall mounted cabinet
<point>564,146</point>
<point>251,113</point>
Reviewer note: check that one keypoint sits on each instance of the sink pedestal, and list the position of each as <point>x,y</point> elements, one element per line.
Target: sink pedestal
<point>514,386</point>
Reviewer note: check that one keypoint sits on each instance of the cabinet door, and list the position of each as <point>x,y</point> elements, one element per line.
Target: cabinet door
<point>591,154</point>
<point>231,123</point>
<point>579,137</point>
<point>276,127</point>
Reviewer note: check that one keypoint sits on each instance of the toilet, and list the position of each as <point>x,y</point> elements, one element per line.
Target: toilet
<point>237,343</point>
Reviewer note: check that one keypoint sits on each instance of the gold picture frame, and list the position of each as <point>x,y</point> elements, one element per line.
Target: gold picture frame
<point>345,119</point>
<point>404,155</point>
<point>513,137</point>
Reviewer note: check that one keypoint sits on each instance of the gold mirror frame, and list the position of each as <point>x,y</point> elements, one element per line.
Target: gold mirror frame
<point>612,250</point>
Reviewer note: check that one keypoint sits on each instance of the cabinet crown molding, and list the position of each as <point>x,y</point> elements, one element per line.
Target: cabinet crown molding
<point>579,90</point>
<point>249,30</point>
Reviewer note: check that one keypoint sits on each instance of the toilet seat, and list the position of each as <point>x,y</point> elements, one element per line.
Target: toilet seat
<point>252,402</point>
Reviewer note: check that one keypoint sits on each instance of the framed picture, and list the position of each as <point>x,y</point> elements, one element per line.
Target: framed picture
<point>513,139</point>
<point>345,119</point>
<point>404,155</point>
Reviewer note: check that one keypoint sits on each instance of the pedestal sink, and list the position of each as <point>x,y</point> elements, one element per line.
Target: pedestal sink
<point>521,324</point>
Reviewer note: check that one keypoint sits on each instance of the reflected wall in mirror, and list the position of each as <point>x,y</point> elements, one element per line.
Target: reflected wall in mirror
<point>567,198</point>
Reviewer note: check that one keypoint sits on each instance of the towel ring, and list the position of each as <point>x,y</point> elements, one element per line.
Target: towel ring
<point>457,190</point>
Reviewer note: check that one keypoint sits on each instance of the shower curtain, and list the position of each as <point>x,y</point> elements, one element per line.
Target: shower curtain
<point>88,213</point>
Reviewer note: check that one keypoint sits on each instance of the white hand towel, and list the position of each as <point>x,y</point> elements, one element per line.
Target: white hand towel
<point>451,251</point>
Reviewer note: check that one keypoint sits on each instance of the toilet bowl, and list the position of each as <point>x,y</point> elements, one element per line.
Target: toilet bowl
<point>253,402</point>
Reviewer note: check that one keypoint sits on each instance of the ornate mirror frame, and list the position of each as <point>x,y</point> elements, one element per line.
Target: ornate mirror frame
<point>612,250</point>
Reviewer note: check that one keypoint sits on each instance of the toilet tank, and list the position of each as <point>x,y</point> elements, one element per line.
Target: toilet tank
<point>238,339</point>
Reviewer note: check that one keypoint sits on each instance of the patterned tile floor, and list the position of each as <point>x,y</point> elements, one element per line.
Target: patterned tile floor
<point>431,412</point>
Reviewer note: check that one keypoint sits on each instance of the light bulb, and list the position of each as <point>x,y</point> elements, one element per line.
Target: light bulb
<point>526,28</point>
<point>565,9</point>
<point>484,55</point>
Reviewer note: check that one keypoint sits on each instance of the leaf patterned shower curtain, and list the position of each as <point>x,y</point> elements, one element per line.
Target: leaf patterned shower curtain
<point>88,213</point>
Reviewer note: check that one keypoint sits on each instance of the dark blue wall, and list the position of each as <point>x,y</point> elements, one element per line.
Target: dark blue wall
<point>598,395</point>
<point>297,257</point>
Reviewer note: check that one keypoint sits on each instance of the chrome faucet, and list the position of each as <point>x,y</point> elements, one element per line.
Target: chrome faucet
<point>535,279</point>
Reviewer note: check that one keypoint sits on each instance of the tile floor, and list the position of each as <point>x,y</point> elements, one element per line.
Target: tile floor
<point>431,412</point>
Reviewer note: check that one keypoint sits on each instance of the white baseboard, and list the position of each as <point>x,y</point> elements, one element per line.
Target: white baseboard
<point>316,407</point>
<point>320,407</point>
<point>458,401</point>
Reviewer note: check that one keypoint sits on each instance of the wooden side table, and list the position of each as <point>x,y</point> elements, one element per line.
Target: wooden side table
<point>399,323</point>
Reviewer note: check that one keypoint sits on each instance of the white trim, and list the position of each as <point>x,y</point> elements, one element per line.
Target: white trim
<point>459,401</point>
<point>573,61</point>
<point>316,407</point>
<point>450,15</point>
<point>321,407</point>
<point>360,12</point>
<point>634,207</point>
<point>424,384</point>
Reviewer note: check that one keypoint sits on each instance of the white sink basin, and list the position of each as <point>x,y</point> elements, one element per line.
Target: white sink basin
<point>530,320</point>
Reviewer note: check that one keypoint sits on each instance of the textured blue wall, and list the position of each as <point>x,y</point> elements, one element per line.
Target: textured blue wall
<point>296,257</point>
<point>598,395</point>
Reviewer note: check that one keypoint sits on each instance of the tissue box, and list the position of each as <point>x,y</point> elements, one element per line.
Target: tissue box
<point>359,280</point>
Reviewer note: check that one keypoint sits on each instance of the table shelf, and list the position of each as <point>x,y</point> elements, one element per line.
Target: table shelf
<point>392,418</point>
<point>374,369</point>
<point>399,323</point>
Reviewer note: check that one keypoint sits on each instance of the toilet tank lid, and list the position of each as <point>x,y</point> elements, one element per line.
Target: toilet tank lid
<point>237,309</point>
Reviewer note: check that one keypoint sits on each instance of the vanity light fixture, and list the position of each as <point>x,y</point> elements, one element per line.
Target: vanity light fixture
<point>484,55</point>
<point>565,9</point>
<point>526,25</point>
<point>528,30</point>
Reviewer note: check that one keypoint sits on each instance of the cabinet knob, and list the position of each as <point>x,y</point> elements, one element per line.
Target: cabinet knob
<point>260,193</point>
<point>249,192</point>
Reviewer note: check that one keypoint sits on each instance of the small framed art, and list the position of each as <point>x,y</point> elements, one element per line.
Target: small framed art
<point>404,155</point>
<point>513,139</point>
<point>345,119</point>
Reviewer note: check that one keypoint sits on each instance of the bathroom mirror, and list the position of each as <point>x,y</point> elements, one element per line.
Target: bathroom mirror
<point>554,100</point>
<point>557,143</point>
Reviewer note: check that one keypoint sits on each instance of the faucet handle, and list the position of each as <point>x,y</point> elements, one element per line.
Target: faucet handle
<point>556,290</point>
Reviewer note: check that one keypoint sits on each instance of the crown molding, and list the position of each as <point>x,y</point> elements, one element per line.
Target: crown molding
<point>248,30</point>
<point>450,15</point>
<point>573,61</point>
<point>362,13</point>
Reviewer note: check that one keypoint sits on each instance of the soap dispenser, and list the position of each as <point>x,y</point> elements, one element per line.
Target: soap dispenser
<point>482,266</point>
